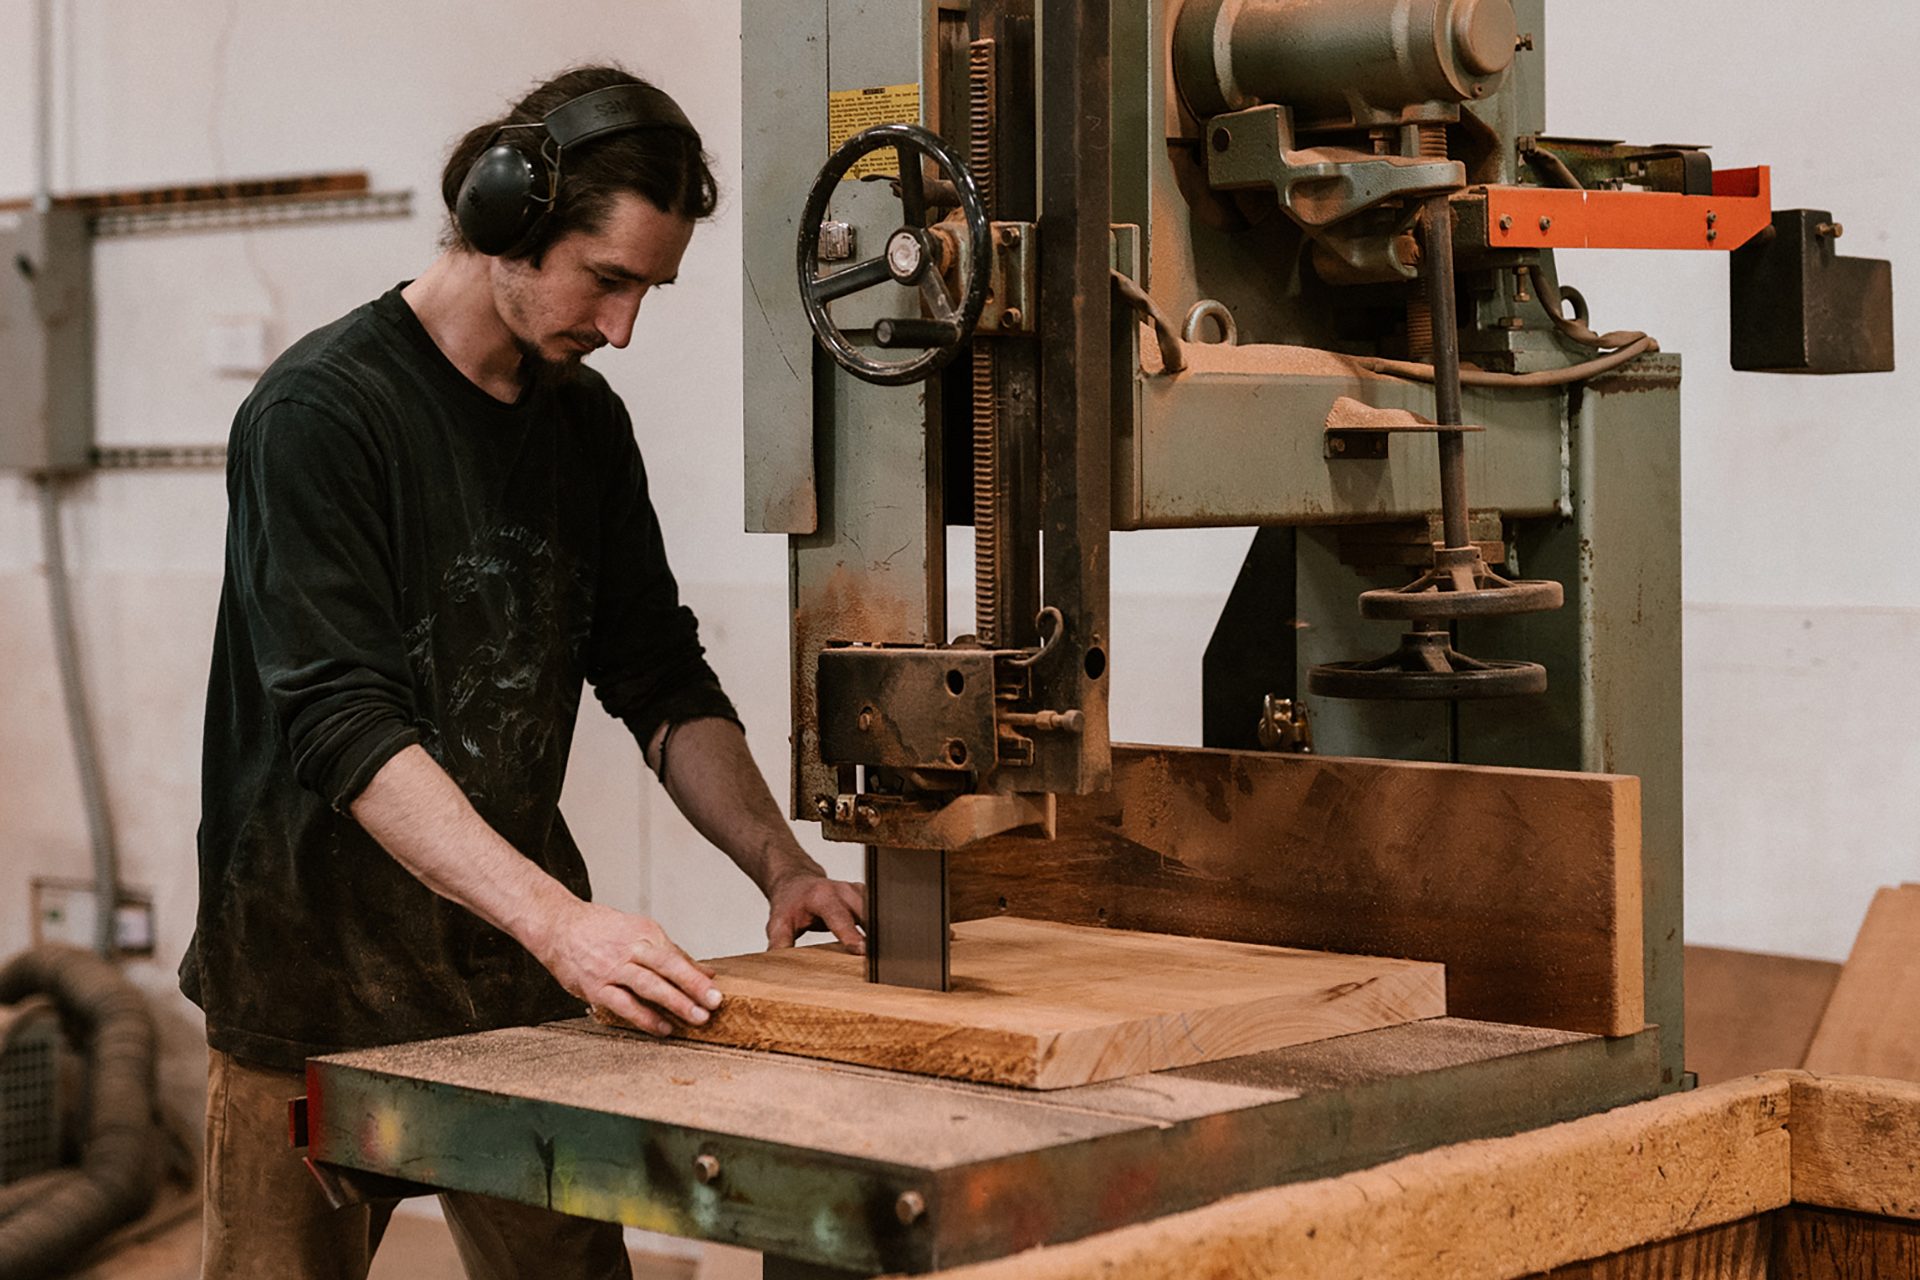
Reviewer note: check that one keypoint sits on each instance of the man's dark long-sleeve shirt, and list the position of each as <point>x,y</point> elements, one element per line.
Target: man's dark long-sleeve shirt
<point>411,561</point>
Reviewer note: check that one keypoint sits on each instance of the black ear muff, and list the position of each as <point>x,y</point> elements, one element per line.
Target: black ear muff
<point>501,200</point>
<point>497,203</point>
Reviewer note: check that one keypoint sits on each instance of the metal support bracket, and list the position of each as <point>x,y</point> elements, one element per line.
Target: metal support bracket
<point>1013,290</point>
<point>1318,186</point>
<point>901,823</point>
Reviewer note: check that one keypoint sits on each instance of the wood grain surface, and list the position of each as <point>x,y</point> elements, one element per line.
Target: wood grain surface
<point>1494,1210</point>
<point>1872,1024</point>
<point>1748,1012</point>
<point>1856,1144</point>
<point>1525,884</point>
<point>1737,1251</point>
<point>1048,1006</point>
<point>1819,1244</point>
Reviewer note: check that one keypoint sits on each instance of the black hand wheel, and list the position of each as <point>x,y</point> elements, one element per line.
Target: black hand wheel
<point>1426,667</point>
<point>912,257</point>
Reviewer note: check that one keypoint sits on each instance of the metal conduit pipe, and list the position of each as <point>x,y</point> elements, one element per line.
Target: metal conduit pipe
<point>43,106</point>
<point>86,757</point>
<point>72,1209</point>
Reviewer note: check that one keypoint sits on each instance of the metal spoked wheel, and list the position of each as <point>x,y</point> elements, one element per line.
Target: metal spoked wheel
<point>916,255</point>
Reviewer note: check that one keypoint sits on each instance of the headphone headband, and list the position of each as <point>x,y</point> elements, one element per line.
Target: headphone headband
<point>612,109</point>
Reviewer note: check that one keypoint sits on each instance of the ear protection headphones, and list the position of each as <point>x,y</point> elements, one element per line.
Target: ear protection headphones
<point>505,194</point>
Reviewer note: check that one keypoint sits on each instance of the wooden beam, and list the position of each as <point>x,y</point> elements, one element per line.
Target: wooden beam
<point>1525,884</point>
<point>1872,1024</point>
<point>1512,1207</point>
<point>1856,1144</point>
<point>1049,1006</point>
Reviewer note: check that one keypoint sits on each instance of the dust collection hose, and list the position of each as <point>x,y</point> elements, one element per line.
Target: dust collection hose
<point>47,1222</point>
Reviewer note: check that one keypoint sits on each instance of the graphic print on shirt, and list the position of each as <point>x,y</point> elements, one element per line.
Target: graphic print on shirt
<point>520,611</point>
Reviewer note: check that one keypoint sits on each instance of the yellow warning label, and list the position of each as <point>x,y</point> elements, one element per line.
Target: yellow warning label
<point>851,110</point>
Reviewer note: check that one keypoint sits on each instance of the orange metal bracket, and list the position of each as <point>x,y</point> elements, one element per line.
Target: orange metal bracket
<point>1740,207</point>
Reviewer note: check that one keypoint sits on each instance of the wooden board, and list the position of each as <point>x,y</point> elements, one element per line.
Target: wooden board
<point>1856,1144</point>
<point>1478,1211</point>
<point>1748,1012</point>
<point>1525,884</point>
<point>1872,1024</point>
<point>1047,1006</point>
<point>1737,1251</point>
<point>1819,1244</point>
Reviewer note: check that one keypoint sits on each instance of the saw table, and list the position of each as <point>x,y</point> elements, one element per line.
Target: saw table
<point>862,1171</point>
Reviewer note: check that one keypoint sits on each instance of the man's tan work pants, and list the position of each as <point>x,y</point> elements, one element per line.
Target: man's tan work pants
<point>266,1216</point>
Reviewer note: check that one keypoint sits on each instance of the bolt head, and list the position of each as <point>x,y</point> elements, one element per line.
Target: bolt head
<point>707,1169</point>
<point>1010,318</point>
<point>866,720</point>
<point>1546,223</point>
<point>910,1207</point>
<point>1506,222</point>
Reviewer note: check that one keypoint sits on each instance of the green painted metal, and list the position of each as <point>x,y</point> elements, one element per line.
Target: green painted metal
<point>1236,442</point>
<point>614,1127</point>
<point>1614,652</point>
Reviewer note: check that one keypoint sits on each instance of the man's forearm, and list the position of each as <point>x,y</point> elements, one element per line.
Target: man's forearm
<point>621,963</point>
<point>713,779</point>
<point>420,815</point>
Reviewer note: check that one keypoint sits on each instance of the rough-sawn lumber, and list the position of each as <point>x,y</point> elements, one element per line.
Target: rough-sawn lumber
<point>1047,1006</point>
<point>1520,1206</point>
<point>1525,883</point>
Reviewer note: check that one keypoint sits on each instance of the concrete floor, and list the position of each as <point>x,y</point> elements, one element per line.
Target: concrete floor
<point>416,1247</point>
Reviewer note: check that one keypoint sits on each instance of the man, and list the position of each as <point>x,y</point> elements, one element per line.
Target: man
<point>439,528</point>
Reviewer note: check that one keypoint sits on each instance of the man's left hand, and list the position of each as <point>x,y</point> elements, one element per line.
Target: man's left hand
<point>806,900</point>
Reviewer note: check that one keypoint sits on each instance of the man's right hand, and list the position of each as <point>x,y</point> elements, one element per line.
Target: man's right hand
<point>626,966</point>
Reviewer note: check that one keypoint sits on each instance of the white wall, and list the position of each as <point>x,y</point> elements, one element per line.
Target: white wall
<point>1802,564</point>
<point>1802,558</point>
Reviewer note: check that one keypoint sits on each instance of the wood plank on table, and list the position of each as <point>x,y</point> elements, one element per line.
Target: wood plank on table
<point>1524,883</point>
<point>1048,1006</point>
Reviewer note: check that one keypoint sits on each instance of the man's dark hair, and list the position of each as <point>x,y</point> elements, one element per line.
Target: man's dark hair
<point>665,166</point>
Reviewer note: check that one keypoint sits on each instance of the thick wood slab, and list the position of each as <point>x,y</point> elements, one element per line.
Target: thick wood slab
<point>1048,1006</point>
<point>1872,1024</point>
<point>1524,883</point>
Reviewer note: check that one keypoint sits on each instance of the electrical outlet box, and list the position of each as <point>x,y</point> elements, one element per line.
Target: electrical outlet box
<point>46,340</point>
<point>65,911</point>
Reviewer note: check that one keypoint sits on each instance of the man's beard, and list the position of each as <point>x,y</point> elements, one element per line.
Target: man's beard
<point>541,373</point>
